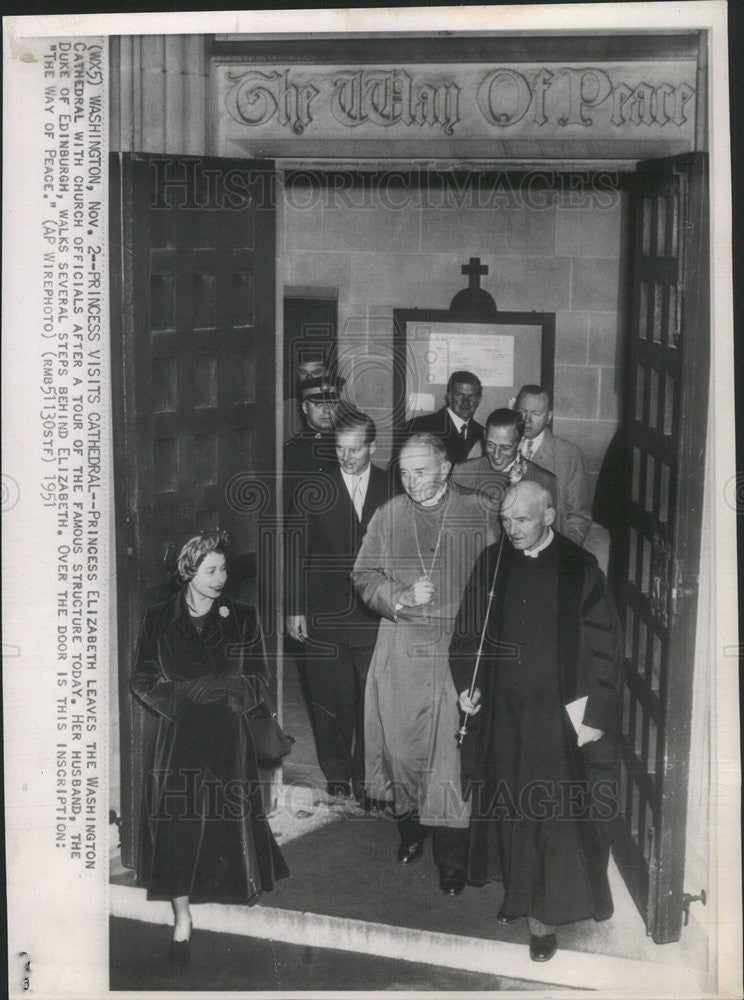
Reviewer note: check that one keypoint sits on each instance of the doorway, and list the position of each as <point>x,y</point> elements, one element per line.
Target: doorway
<point>581,245</point>
<point>310,344</point>
<point>398,239</point>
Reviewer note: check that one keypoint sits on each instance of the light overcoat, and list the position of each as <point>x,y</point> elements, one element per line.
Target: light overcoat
<point>567,463</point>
<point>411,714</point>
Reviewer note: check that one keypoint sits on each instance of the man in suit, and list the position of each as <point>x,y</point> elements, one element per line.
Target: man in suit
<point>561,457</point>
<point>454,423</point>
<point>502,465</point>
<point>538,619</point>
<point>327,524</point>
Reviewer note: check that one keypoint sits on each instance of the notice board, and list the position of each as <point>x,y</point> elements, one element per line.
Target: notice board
<point>505,351</point>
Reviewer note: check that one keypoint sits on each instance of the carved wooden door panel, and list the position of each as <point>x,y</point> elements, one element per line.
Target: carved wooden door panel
<point>193,252</point>
<point>666,427</point>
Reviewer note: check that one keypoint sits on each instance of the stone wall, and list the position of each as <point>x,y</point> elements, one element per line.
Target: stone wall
<point>386,245</point>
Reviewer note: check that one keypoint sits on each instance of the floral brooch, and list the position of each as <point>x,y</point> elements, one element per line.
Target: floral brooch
<point>224,611</point>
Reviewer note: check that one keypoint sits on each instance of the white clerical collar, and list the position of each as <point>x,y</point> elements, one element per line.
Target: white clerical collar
<point>435,499</point>
<point>457,421</point>
<point>536,442</point>
<point>361,480</point>
<point>534,552</point>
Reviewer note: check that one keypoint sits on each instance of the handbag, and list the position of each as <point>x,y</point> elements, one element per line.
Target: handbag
<point>269,739</point>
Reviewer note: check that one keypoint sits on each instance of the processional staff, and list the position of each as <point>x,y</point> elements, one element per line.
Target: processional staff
<point>462,732</point>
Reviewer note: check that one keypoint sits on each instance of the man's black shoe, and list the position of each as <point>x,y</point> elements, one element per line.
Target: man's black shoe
<point>408,853</point>
<point>339,789</point>
<point>451,881</point>
<point>504,918</point>
<point>543,947</point>
<point>373,805</point>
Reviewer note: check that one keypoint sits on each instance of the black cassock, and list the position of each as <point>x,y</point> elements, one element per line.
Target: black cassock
<point>541,807</point>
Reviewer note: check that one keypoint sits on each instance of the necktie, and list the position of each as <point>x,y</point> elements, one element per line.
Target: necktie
<point>464,432</point>
<point>528,450</point>
<point>356,497</point>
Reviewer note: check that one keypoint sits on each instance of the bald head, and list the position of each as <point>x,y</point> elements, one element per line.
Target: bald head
<point>529,492</point>
<point>526,513</point>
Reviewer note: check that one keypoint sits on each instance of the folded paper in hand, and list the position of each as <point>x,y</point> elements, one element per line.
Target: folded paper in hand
<point>576,711</point>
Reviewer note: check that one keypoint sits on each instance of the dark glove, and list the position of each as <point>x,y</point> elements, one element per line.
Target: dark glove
<point>232,685</point>
<point>206,689</point>
<point>209,689</point>
<point>242,694</point>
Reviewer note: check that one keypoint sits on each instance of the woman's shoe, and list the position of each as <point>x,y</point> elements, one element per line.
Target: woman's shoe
<point>180,954</point>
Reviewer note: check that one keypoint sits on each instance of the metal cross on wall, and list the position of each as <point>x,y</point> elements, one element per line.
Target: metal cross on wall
<point>474,302</point>
<point>474,270</point>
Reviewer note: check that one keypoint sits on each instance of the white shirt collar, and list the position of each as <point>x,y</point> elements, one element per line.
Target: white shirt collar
<point>457,421</point>
<point>362,480</point>
<point>537,549</point>
<point>536,442</point>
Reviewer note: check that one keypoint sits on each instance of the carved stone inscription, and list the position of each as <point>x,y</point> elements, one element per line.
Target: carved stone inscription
<point>579,97</point>
<point>633,100</point>
<point>355,97</point>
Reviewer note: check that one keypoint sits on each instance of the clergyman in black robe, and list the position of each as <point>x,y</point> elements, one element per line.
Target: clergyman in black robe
<point>541,786</point>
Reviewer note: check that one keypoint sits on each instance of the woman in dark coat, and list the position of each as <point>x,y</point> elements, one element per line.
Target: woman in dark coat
<point>200,666</point>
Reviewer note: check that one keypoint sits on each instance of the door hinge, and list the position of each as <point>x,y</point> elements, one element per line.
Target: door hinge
<point>684,589</point>
<point>687,899</point>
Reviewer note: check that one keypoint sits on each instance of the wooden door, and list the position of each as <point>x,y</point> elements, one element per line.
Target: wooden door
<point>666,428</point>
<point>193,252</point>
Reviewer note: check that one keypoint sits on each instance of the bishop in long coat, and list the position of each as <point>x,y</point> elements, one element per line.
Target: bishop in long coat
<point>540,802</point>
<point>431,534</point>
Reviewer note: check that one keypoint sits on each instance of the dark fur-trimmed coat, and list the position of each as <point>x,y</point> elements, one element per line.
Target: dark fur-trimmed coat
<point>210,740</point>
